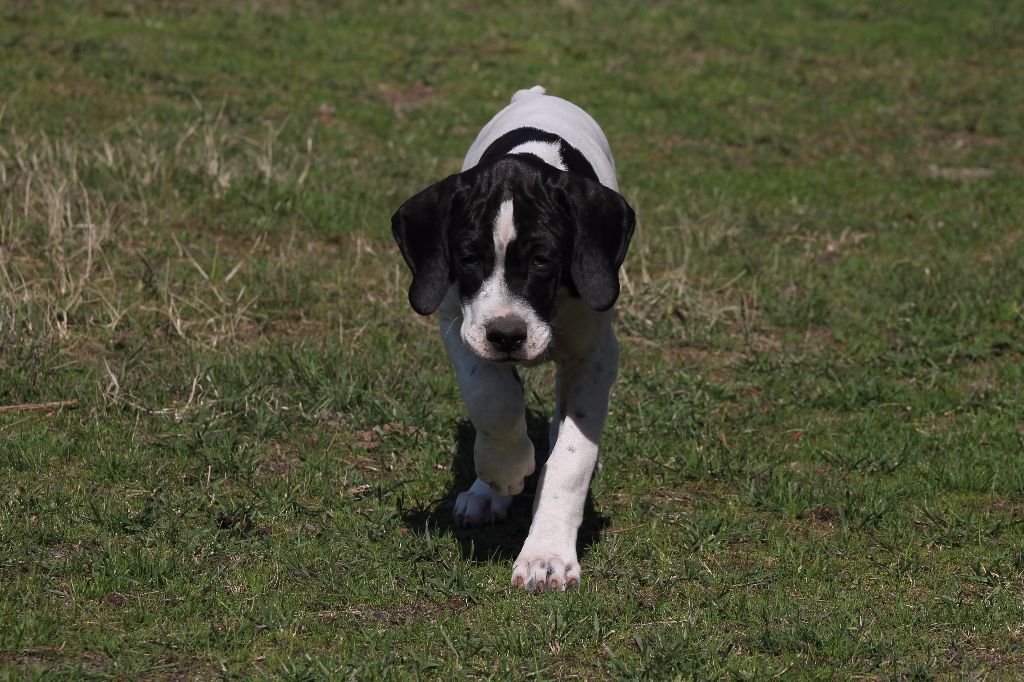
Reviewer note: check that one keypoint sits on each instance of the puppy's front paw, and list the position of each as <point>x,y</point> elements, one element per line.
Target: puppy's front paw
<point>546,570</point>
<point>479,506</point>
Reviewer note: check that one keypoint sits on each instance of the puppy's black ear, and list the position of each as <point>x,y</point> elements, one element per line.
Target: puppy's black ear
<point>420,227</point>
<point>604,224</point>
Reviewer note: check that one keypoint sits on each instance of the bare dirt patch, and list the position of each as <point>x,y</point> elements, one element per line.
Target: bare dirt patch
<point>403,97</point>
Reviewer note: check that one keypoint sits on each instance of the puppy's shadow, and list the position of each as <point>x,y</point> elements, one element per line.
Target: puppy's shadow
<point>502,540</point>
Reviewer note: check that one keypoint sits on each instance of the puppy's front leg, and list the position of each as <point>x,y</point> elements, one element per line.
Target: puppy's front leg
<point>502,452</point>
<point>548,558</point>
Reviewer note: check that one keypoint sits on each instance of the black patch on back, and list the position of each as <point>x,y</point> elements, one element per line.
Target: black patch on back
<point>573,159</point>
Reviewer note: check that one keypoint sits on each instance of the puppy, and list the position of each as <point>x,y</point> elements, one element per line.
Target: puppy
<point>519,255</point>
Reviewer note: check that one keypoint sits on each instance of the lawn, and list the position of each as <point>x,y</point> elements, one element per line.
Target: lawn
<point>814,462</point>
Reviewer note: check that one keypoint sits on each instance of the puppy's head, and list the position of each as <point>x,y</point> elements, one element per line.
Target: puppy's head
<point>510,233</point>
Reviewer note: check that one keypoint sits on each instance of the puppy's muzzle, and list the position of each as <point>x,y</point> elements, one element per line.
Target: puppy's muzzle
<point>506,334</point>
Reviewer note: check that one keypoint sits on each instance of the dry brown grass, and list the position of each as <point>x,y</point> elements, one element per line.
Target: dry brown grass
<point>78,216</point>
<point>665,278</point>
<point>53,232</point>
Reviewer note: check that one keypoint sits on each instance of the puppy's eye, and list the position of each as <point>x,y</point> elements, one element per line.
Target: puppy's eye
<point>540,261</point>
<point>469,261</point>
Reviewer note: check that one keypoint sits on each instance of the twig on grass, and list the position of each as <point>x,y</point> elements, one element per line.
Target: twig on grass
<point>24,407</point>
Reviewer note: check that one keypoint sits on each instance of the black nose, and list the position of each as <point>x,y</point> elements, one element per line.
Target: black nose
<point>506,333</point>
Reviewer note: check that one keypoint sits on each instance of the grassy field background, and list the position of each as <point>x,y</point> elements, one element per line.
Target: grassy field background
<point>814,463</point>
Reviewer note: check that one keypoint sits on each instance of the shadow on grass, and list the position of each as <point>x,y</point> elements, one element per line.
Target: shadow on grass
<point>504,540</point>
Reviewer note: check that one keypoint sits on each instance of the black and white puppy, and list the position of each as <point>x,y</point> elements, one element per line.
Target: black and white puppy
<point>520,254</point>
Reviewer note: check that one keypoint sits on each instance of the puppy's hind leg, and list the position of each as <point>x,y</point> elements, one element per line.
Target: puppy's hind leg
<point>480,506</point>
<point>502,452</point>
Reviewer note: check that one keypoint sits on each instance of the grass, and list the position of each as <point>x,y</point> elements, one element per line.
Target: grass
<point>813,465</point>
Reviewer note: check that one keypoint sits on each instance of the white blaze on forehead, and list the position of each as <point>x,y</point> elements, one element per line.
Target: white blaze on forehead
<point>504,229</point>
<point>493,300</point>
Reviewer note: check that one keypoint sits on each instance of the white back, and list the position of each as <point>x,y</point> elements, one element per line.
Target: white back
<point>533,109</point>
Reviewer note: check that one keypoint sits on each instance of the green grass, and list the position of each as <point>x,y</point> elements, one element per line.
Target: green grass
<point>814,463</point>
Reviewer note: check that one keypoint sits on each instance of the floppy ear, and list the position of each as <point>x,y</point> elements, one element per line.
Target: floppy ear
<point>604,224</point>
<point>420,227</point>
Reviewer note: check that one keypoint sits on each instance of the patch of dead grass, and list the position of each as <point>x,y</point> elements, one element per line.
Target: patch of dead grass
<point>664,278</point>
<point>66,204</point>
<point>92,266</point>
